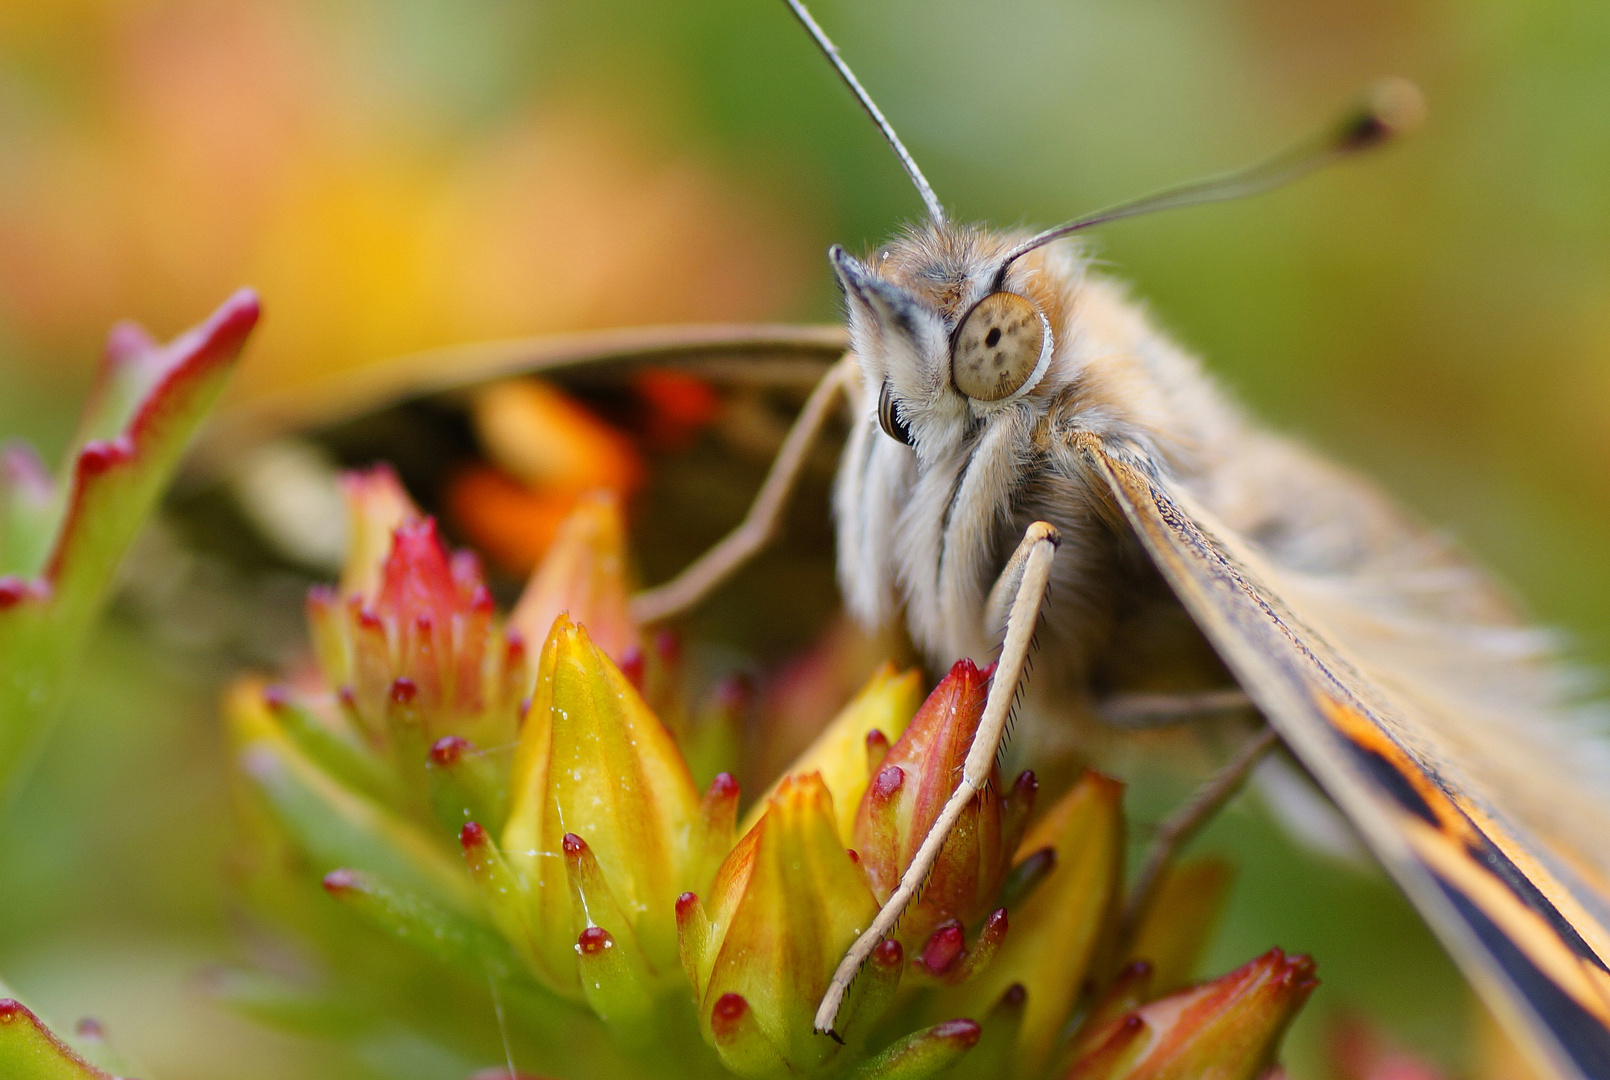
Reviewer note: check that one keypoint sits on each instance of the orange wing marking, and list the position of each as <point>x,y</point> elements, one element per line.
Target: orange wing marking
<point>1452,836</point>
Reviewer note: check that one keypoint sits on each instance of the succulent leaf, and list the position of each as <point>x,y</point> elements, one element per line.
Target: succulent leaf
<point>148,401</point>
<point>31,1051</point>
<point>466,783</point>
<point>448,936</point>
<point>331,744</point>
<point>922,1054</point>
<point>332,825</point>
<point>27,509</point>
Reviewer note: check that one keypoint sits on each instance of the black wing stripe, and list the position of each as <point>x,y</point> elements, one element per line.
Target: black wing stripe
<point>1579,1032</point>
<point>1498,921</point>
<point>1393,783</point>
<point>1500,866</point>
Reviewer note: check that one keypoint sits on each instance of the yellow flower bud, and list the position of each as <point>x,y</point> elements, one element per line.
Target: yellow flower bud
<point>784,906</point>
<point>846,751</point>
<point>595,763</point>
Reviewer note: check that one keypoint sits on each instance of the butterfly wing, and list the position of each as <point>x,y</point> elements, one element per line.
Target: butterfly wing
<point>707,349</point>
<point>1523,912</point>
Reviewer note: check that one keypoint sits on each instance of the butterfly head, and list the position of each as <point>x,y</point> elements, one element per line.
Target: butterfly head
<point>950,334</point>
<point>954,323</point>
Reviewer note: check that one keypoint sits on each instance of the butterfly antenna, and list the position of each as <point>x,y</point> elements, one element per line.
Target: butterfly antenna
<point>1390,108</point>
<point>831,51</point>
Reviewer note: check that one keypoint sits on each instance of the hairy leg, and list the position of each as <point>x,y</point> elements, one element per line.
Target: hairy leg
<point>1177,830</point>
<point>1136,712</point>
<point>1031,569</point>
<point>758,526</point>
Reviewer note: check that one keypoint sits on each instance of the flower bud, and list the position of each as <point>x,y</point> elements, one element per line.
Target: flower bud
<point>840,754</point>
<point>1059,926</point>
<point>425,657</point>
<point>592,863</point>
<point>583,575</point>
<point>329,823</point>
<point>784,906</point>
<point>912,783</point>
<point>377,506</point>
<point>594,763</point>
<point>1228,1029</point>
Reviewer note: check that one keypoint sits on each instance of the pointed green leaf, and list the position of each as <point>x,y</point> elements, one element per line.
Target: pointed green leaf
<point>447,936</point>
<point>148,402</point>
<point>334,826</point>
<point>30,1051</point>
<point>926,1053</point>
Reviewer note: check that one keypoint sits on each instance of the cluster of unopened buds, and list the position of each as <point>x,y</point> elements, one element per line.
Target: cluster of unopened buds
<point>558,754</point>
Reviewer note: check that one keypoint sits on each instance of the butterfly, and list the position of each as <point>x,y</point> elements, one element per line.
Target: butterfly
<point>1031,461</point>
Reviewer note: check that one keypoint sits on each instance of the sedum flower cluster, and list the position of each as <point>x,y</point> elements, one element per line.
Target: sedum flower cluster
<point>514,798</point>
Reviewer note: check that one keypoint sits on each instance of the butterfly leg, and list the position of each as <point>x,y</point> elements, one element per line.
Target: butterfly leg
<point>758,526</point>
<point>1138,712</point>
<point>1031,567</point>
<point>1178,828</point>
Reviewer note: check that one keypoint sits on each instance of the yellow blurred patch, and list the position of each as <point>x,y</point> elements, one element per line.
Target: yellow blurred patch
<point>244,142</point>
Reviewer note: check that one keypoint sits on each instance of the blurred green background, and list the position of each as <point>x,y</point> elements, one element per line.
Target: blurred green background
<point>412,173</point>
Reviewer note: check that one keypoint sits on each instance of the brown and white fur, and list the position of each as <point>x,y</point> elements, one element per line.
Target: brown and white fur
<point>928,527</point>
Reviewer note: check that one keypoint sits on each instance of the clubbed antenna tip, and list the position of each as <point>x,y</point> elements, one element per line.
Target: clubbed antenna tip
<point>1386,110</point>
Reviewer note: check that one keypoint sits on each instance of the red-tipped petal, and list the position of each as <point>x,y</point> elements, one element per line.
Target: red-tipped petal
<point>29,1049</point>
<point>725,1016</point>
<point>944,948</point>
<point>338,881</point>
<point>593,940</point>
<point>448,750</point>
<point>925,1053</point>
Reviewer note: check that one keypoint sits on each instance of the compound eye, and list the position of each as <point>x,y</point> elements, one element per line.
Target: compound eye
<point>889,420</point>
<point>1000,350</point>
